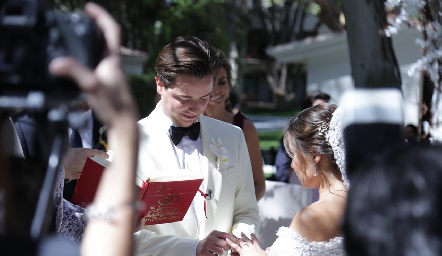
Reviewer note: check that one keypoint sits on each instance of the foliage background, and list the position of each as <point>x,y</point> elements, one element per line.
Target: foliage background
<point>145,93</point>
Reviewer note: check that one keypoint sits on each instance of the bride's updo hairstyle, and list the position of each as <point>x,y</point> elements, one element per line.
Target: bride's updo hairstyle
<point>307,135</point>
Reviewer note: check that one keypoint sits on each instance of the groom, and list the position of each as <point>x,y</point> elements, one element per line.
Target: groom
<point>185,71</point>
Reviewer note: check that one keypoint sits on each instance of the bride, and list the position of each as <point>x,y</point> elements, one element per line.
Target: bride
<point>314,141</point>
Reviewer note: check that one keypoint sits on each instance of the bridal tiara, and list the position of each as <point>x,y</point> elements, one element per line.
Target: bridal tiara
<point>336,140</point>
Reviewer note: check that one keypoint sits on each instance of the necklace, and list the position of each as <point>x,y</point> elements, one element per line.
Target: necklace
<point>334,192</point>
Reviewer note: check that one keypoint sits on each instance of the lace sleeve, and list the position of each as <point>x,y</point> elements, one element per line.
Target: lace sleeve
<point>72,224</point>
<point>290,243</point>
<point>69,217</point>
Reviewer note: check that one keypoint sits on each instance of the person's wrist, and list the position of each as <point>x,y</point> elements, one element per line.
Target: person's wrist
<point>100,211</point>
<point>123,119</point>
<point>127,127</point>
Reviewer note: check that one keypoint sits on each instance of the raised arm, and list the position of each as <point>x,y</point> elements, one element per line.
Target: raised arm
<point>109,97</point>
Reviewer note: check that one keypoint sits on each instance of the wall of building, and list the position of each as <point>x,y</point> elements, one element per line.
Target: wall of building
<point>133,65</point>
<point>331,72</point>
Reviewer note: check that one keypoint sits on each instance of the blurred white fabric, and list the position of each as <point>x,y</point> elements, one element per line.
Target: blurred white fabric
<point>269,169</point>
<point>278,207</point>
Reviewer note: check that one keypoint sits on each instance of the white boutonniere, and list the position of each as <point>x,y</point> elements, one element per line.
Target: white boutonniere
<point>221,153</point>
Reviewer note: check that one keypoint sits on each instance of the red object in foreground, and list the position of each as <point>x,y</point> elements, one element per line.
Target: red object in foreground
<point>167,201</point>
<point>88,183</point>
<point>166,196</point>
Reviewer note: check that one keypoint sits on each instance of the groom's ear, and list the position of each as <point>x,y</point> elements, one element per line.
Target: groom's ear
<point>160,85</point>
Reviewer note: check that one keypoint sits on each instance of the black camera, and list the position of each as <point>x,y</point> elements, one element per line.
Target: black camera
<point>31,36</point>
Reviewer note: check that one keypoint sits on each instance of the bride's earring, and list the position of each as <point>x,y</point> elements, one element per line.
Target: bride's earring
<point>315,173</point>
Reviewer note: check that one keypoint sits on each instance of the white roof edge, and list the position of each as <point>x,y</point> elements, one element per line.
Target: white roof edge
<point>132,52</point>
<point>300,50</point>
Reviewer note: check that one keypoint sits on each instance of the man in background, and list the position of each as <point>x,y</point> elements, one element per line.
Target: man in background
<point>284,171</point>
<point>81,142</point>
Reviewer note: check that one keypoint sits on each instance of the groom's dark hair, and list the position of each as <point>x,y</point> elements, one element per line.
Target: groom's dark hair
<point>186,56</point>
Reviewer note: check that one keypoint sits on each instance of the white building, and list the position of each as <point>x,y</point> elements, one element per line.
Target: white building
<point>327,62</point>
<point>133,61</point>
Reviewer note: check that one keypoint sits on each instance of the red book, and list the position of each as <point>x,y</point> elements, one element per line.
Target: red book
<point>167,195</point>
<point>88,183</point>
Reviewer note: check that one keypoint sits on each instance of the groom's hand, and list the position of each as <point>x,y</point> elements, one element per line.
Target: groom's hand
<point>214,243</point>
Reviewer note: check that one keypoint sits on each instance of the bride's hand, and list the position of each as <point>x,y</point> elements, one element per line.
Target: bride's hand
<point>246,246</point>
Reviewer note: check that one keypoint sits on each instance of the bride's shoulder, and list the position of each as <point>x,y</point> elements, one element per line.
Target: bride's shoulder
<point>316,222</point>
<point>305,221</point>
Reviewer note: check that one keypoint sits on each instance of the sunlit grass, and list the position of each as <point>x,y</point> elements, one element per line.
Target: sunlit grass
<point>271,139</point>
<point>268,140</point>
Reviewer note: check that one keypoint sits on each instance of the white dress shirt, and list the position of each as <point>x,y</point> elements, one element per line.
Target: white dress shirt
<point>85,130</point>
<point>189,153</point>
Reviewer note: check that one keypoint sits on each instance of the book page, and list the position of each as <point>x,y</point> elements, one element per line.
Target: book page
<point>100,160</point>
<point>169,175</point>
<point>174,175</point>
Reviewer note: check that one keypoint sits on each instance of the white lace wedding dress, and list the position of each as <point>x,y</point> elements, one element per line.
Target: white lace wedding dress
<point>290,243</point>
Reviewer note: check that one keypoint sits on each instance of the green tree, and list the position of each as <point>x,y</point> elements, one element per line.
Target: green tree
<point>148,25</point>
<point>284,22</point>
<point>204,19</point>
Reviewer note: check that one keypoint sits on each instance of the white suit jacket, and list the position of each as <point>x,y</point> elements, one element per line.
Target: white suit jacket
<point>233,207</point>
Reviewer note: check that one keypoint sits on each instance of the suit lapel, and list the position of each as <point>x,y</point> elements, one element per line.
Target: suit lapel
<point>213,176</point>
<point>157,153</point>
<point>165,156</point>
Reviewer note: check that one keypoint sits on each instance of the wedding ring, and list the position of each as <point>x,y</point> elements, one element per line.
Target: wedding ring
<point>245,243</point>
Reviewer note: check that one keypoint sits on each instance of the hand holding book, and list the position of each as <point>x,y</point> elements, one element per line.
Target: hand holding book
<point>166,195</point>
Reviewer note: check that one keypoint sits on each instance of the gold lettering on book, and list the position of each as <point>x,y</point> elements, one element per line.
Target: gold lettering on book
<point>163,189</point>
<point>166,194</point>
<point>168,199</point>
<point>161,211</point>
<point>160,218</point>
<point>166,204</point>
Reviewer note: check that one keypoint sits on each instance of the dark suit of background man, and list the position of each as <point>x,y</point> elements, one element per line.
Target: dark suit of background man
<point>76,156</point>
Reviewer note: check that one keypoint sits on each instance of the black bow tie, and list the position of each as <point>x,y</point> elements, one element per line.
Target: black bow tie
<point>177,133</point>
